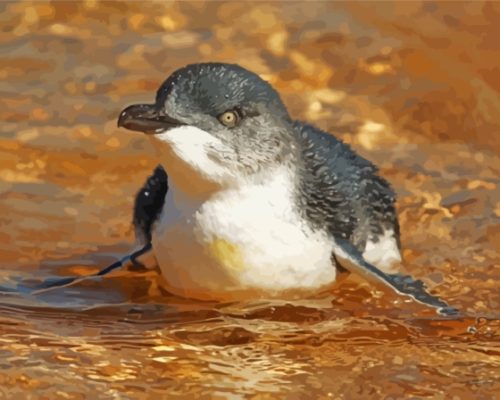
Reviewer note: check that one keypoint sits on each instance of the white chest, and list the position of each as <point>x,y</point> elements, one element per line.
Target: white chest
<point>240,240</point>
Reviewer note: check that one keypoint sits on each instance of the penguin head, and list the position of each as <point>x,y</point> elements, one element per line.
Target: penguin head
<point>219,119</point>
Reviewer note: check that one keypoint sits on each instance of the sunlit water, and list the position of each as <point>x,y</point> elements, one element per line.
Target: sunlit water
<point>67,181</point>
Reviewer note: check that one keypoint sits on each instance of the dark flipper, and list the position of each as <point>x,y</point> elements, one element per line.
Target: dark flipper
<point>351,259</point>
<point>149,203</point>
<point>132,258</point>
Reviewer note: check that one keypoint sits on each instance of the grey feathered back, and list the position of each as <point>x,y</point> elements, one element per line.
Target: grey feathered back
<point>341,191</point>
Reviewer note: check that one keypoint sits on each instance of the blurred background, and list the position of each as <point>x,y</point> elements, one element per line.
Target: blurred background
<point>412,86</point>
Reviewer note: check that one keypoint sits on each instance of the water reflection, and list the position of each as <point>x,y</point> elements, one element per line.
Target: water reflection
<point>96,331</point>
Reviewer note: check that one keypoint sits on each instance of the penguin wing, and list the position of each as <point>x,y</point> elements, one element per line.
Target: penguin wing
<point>147,208</point>
<point>349,257</point>
<point>149,203</point>
<point>343,193</point>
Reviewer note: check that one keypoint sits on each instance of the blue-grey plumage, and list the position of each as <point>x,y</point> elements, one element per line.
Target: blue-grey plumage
<point>259,204</point>
<point>342,192</point>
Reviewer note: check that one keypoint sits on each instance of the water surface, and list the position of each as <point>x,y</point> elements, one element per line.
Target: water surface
<point>420,104</point>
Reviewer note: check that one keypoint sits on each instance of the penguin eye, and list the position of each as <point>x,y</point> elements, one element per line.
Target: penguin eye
<point>229,118</point>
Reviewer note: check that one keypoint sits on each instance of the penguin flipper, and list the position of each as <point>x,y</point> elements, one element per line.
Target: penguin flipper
<point>148,204</point>
<point>141,257</point>
<point>147,208</point>
<point>350,258</point>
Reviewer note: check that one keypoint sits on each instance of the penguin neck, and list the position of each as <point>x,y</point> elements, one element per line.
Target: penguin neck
<point>187,179</point>
<point>198,177</point>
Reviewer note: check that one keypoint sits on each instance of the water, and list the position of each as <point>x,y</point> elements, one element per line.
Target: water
<point>68,177</point>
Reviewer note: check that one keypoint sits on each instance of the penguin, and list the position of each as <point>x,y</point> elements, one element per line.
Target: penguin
<point>250,203</point>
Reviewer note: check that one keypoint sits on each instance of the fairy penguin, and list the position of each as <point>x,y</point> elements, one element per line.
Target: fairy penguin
<point>255,203</point>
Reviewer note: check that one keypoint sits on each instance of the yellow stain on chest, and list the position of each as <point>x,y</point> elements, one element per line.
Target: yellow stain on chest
<point>227,254</point>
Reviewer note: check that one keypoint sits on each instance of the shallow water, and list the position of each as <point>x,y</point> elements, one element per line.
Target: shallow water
<point>68,177</point>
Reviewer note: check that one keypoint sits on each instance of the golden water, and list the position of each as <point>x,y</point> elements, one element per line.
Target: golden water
<point>421,103</point>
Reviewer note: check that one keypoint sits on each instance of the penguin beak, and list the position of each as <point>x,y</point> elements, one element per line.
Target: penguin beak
<point>146,118</point>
